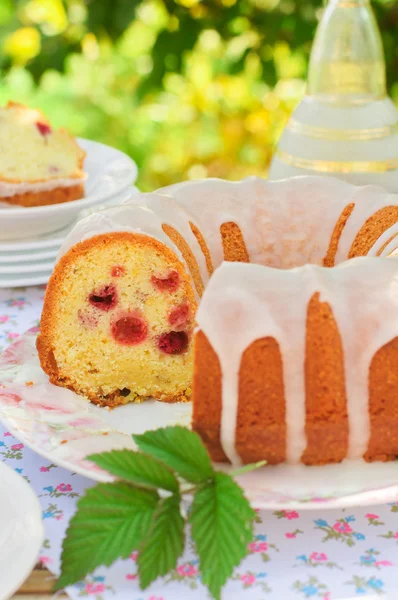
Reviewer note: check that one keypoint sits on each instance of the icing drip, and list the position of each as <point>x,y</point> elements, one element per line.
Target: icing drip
<point>243,303</point>
<point>386,243</point>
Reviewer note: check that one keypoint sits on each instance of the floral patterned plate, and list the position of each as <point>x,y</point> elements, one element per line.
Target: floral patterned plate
<point>65,428</point>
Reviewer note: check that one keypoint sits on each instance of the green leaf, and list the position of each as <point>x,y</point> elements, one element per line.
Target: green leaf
<point>222,527</point>
<point>164,543</point>
<point>140,469</point>
<point>181,449</point>
<point>111,521</point>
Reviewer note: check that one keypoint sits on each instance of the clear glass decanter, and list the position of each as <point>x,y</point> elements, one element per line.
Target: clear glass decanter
<point>346,126</point>
<point>347,59</point>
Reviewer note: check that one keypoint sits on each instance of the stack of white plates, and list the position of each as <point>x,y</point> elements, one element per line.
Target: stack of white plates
<point>30,262</point>
<point>31,237</point>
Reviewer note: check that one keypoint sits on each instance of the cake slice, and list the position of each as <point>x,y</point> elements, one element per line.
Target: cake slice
<point>38,164</point>
<point>118,321</point>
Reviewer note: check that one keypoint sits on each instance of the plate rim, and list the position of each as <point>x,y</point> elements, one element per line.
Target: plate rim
<point>26,281</point>
<point>27,268</point>
<point>28,257</point>
<point>13,586</point>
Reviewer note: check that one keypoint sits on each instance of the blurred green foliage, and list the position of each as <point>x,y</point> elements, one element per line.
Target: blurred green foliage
<point>188,88</point>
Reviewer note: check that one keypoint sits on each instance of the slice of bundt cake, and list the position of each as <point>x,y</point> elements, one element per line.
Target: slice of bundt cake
<point>38,164</point>
<point>118,320</point>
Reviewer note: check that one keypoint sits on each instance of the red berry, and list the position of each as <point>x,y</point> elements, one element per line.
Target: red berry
<point>104,298</point>
<point>118,271</point>
<point>174,342</point>
<point>178,316</point>
<point>130,330</point>
<point>43,128</point>
<point>169,283</point>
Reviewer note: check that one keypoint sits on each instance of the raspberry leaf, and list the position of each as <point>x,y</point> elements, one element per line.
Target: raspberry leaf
<point>141,469</point>
<point>222,527</point>
<point>181,449</point>
<point>111,521</point>
<point>164,544</point>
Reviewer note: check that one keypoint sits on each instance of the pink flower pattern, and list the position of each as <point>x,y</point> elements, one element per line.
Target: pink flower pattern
<point>63,487</point>
<point>258,547</point>
<point>248,579</point>
<point>95,588</point>
<point>342,527</point>
<point>187,570</point>
<point>291,514</point>
<point>318,556</point>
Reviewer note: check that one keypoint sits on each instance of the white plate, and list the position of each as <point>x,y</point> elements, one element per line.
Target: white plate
<point>24,269</point>
<point>64,428</point>
<point>31,263</point>
<point>24,280</point>
<point>50,240</point>
<point>11,258</point>
<point>21,531</point>
<point>110,172</point>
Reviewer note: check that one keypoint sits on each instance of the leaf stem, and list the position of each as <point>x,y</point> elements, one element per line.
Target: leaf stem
<point>248,468</point>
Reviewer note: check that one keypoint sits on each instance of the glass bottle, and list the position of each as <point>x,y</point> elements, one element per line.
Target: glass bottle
<point>347,59</point>
<point>346,126</point>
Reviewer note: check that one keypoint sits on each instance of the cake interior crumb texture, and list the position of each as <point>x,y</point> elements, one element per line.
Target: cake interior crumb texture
<point>102,339</point>
<point>31,150</point>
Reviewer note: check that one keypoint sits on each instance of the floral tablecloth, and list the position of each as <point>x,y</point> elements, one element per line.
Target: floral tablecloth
<point>329,555</point>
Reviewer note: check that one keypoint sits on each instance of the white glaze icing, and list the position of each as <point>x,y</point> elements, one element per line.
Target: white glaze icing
<point>243,303</point>
<point>11,189</point>
<point>284,224</point>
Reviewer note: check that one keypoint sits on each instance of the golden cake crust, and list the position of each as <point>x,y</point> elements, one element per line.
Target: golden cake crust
<point>56,196</point>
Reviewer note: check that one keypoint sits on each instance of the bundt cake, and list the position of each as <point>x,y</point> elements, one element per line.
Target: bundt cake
<point>38,165</point>
<point>292,361</point>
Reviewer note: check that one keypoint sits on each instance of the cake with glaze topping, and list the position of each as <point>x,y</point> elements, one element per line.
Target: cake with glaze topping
<point>38,164</point>
<point>277,342</point>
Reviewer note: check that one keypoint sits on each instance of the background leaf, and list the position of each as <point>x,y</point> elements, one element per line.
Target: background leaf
<point>111,521</point>
<point>222,527</point>
<point>179,448</point>
<point>215,81</point>
<point>140,469</point>
<point>164,544</point>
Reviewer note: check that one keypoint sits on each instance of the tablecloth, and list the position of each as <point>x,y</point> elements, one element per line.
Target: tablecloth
<point>328,555</point>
